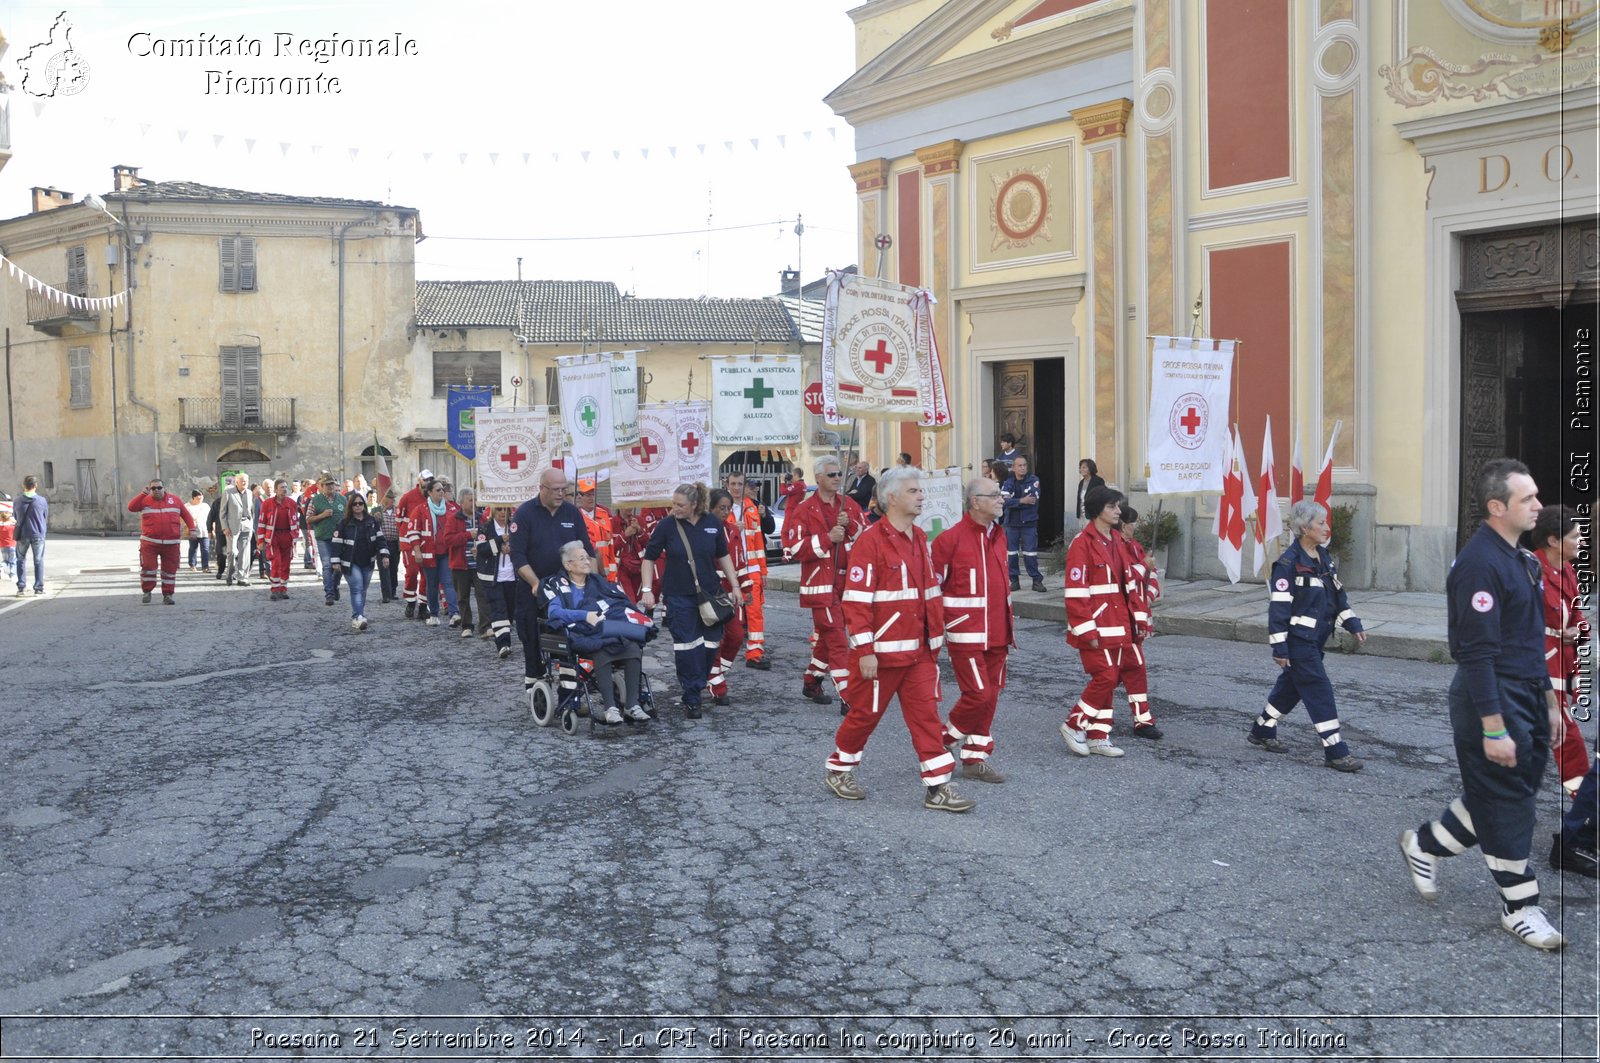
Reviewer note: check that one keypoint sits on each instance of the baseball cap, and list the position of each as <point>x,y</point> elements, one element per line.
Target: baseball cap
<point>425,474</point>
<point>585,485</point>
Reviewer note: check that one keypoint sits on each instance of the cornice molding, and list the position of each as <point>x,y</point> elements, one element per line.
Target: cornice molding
<point>944,157</point>
<point>871,175</point>
<point>1501,122</point>
<point>1263,212</point>
<point>874,94</point>
<point>1104,121</point>
<point>1065,290</point>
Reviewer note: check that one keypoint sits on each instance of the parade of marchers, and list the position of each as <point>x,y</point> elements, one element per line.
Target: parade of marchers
<point>583,591</point>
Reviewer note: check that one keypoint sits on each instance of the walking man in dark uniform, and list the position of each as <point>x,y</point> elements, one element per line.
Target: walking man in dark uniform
<point>1502,708</point>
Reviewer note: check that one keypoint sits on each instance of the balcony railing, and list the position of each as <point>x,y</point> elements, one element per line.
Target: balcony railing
<point>234,415</point>
<point>49,316</point>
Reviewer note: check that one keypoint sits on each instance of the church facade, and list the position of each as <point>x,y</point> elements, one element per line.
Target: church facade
<point>1390,205</point>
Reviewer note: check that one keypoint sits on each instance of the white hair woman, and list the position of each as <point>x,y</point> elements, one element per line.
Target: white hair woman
<point>1307,599</point>
<point>692,546</point>
<point>577,595</point>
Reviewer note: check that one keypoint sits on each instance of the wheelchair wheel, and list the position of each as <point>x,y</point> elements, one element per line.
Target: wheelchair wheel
<point>569,722</point>
<point>542,703</point>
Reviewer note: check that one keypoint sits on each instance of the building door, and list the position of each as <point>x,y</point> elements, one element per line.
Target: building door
<point>1028,404</point>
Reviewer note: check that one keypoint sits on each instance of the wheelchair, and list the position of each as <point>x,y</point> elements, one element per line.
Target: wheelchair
<point>568,690</point>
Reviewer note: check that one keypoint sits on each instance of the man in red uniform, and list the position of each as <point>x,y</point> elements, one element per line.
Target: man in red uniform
<point>818,532</point>
<point>601,529</point>
<point>162,520</point>
<point>894,607</point>
<point>276,529</point>
<point>970,562</point>
<point>408,517</point>
<point>747,521</point>
<point>1102,614</point>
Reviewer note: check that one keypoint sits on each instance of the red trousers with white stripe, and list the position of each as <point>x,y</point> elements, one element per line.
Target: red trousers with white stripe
<point>727,652</point>
<point>980,678</point>
<point>280,556</point>
<point>1107,668</point>
<point>158,555</point>
<point>917,687</point>
<point>755,621</point>
<point>830,653</point>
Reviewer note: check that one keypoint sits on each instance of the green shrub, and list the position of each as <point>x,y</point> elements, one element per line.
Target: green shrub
<point>1153,534</point>
<point>1339,544</point>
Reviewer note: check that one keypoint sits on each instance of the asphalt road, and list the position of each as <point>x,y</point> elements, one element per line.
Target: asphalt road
<point>264,833</point>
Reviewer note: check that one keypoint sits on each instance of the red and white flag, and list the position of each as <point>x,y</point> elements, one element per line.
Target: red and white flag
<point>1238,499</point>
<point>1269,522</point>
<point>1297,475</point>
<point>1324,495</point>
<point>380,478</point>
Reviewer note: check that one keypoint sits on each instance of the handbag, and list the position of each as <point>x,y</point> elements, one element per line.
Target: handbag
<point>715,609</point>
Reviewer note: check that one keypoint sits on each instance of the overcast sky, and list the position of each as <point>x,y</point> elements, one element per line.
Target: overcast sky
<point>549,80</point>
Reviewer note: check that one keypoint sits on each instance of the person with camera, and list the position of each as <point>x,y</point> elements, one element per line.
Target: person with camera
<point>692,547</point>
<point>793,489</point>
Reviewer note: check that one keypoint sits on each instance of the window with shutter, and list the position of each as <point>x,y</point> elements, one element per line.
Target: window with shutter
<point>241,386</point>
<point>450,368</point>
<point>78,376</point>
<point>230,385</point>
<point>77,270</point>
<point>236,263</point>
<point>552,387</point>
<point>88,485</point>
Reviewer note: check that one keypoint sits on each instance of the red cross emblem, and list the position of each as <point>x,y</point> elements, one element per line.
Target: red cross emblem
<point>879,355</point>
<point>1483,601</point>
<point>690,443</point>
<point>1190,420</point>
<point>645,450</point>
<point>513,457</point>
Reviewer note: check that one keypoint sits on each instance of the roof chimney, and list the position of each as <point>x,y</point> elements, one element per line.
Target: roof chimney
<point>126,178</point>
<point>49,199</point>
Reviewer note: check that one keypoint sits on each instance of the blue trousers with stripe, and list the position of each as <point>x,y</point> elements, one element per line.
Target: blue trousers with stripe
<point>1304,680</point>
<point>1023,539</point>
<point>694,645</point>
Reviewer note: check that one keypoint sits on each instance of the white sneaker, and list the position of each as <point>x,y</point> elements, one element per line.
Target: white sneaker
<point>1076,740</point>
<point>355,623</point>
<point>432,621</point>
<point>1531,925</point>
<point>362,621</point>
<point>1104,748</point>
<point>613,716</point>
<point>1424,867</point>
<point>466,632</point>
<point>636,714</point>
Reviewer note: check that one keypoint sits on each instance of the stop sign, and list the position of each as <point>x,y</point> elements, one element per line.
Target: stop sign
<point>813,398</point>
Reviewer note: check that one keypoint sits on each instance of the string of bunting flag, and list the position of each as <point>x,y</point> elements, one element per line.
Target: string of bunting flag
<point>56,295</point>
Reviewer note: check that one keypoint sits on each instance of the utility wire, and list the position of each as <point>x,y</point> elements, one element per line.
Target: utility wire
<point>624,236</point>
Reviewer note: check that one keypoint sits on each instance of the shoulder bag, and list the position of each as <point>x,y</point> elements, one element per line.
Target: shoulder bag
<point>715,609</point>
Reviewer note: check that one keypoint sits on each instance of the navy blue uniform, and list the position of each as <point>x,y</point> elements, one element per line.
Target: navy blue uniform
<point>1307,601</point>
<point>1022,525</point>
<point>535,538</point>
<point>681,575</point>
<point>1496,610</point>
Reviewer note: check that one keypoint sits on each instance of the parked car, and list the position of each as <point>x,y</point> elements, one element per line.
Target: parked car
<point>775,540</point>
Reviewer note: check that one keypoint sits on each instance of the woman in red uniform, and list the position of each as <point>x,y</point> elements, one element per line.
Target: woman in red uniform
<point>1557,539</point>
<point>276,530</point>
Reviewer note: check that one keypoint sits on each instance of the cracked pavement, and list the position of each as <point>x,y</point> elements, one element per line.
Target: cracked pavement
<point>241,809</point>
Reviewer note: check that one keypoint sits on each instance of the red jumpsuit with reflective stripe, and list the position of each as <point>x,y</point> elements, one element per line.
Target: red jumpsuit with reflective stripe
<point>1143,582</point>
<point>1562,660</point>
<point>413,505</point>
<point>1103,619</point>
<point>733,632</point>
<point>822,576</point>
<point>162,523</point>
<point>970,561</point>
<point>895,611</point>
<point>276,530</point>
<point>745,522</point>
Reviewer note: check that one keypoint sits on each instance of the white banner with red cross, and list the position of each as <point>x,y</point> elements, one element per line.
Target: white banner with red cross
<point>695,463</point>
<point>755,400</point>
<point>1190,445</point>
<point>880,358</point>
<point>647,472</point>
<point>514,447</point>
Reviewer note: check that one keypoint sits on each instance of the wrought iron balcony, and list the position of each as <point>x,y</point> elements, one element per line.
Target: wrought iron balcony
<point>53,318</point>
<point>198,416</point>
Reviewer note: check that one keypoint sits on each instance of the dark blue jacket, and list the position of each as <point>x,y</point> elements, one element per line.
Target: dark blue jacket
<point>1013,491</point>
<point>358,543</point>
<point>537,536</point>
<point>32,516</point>
<point>567,608</point>
<point>1495,596</point>
<point>1307,601</point>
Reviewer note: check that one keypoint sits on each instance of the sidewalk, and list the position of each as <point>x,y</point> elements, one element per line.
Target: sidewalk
<point>1408,625</point>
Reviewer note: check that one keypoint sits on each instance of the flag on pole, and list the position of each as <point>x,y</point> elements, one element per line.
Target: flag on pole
<point>1324,495</point>
<point>1188,442</point>
<point>1269,522</point>
<point>380,478</point>
<point>587,410</point>
<point>756,401</point>
<point>1297,475</point>
<point>1238,499</point>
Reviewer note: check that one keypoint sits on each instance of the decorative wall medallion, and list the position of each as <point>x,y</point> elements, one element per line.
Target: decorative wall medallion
<point>1423,76</point>
<point>1020,208</point>
<point>1510,259</point>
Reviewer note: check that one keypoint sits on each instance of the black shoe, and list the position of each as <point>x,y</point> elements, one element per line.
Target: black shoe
<point>1346,763</point>
<point>1149,730</point>
<point>328,601</point>
<point>422,612</point>
<point>1572,856</point>
<point>760,664</point>
<point>1016,584</point>
<point>1270,744</point>
<point>691,709</point>
<point>411,610</point>
<point>1039,587</point>
<point>721,699</point>
<point>814,692</point>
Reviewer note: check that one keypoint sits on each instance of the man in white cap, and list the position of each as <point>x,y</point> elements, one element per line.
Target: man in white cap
<point>409,516</point>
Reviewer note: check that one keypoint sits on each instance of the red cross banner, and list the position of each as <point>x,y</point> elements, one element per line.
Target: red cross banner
<point>695,462</point>
<point>587,410</point>
<point>647,472</point>
<point>513,449</point>
<point>880,359</point>
<point>756,400</point>
<point>1190,445</point>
